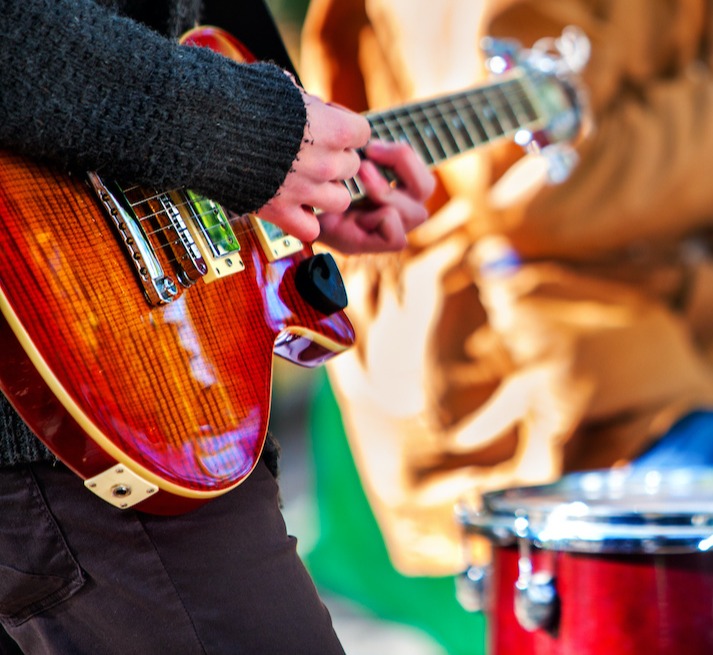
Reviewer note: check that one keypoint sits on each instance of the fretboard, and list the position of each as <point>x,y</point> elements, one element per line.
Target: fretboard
<point>443,127</point>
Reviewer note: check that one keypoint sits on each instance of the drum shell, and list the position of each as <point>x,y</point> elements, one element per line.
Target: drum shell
<point>612,604</point>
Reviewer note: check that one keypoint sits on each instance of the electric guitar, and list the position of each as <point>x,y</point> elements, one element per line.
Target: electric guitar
<point>138,325</point>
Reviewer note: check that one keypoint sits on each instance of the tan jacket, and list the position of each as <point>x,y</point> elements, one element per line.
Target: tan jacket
<point>588,351</point>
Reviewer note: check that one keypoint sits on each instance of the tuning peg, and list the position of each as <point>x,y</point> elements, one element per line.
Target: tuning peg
<point>501,54</point>
<point>561,159</point>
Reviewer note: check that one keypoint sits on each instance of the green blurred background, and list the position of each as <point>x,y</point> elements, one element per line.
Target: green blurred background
<point>376,610</point>
<point>289,15</point>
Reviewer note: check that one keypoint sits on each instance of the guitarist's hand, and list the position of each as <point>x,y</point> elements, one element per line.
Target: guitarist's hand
<point>392,211</point>
<point>328,157</point>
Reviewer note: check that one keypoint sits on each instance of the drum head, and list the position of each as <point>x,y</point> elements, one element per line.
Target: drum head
<point>613,511</point>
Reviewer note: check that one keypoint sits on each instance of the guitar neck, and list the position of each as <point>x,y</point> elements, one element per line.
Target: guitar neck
<point>444,127</point>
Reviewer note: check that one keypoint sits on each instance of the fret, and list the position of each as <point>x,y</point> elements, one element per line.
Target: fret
<point>508,119</point>
<point>414,134</point>
<point>472,119</point>
<point>525,103</point>
<point>355,188</point>
<point>429,133</point>
<point>457,127</point>
<point>417,140</point>
<point>471,126</point>
<point>486,105</point>
<point>380,128</point>
<point>439,117</point>
<point>440,128</point>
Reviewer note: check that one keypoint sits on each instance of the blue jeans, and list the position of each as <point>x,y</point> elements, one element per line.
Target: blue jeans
<point>687,444</point>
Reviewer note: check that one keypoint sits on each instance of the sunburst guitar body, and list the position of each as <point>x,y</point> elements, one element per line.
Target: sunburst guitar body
<point>139,326</point>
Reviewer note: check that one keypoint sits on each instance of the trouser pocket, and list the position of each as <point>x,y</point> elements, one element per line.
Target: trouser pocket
<point>37,569</point>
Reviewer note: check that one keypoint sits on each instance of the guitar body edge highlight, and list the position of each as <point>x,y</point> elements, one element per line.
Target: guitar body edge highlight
<point>175,394</point>
<point>139,326</point>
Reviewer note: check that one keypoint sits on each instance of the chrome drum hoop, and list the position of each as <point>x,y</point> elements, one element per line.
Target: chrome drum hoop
<point>615,511</point>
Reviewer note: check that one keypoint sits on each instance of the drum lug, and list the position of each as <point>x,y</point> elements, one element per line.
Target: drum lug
<point>472,588</point>
<point>536,602</point>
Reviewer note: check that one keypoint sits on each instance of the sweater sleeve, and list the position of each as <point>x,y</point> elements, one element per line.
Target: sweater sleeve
<point>92,90</point>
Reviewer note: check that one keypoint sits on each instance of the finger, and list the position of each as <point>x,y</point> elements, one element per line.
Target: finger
<point>317,164</point>
<point>350,236</point>
<point>412,212</point>
<point>329,197</point>
<point>411,170</point>
<point>376,187</point>
<point>384,227</point>
<point>338,233</point>
<point>336,126</point>
<point>313,183</point>
<point>338,167</point>
<point>350,127</point>
<point>300,222</point>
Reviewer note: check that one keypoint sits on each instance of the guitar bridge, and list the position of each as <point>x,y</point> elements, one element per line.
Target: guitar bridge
<point>191,265</point>
<point>178,230</point>
<point>157,286</point>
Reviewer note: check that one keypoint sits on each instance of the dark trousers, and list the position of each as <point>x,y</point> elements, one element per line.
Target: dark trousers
<point>78,576</point>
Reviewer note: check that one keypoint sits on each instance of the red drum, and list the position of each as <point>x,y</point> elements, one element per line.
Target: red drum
<point>600,563</point>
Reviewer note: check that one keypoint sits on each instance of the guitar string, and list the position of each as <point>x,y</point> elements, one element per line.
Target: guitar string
<point>475,99</point>
<point>399,120</point>
<point>397,116</point>
<point>454,118</point>
<point>246,226</point>
<point>427,132</point>
<point>486,102</point>
<point>512,81</point>
<point>488,107</point>
<point>393,121</point>
<point>447,113</point>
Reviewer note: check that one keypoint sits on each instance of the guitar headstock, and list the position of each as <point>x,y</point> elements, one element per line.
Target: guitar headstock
<point>555,64</point>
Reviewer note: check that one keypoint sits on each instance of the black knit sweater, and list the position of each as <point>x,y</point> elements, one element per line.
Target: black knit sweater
<point>103,85</point>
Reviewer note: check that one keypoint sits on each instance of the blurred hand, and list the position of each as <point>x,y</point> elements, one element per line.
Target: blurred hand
<point>328,157</point>
<point>392,211</point>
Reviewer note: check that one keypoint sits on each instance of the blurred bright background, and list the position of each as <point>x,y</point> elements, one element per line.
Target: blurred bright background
<point>289,15</point>
<point>361,632</point>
